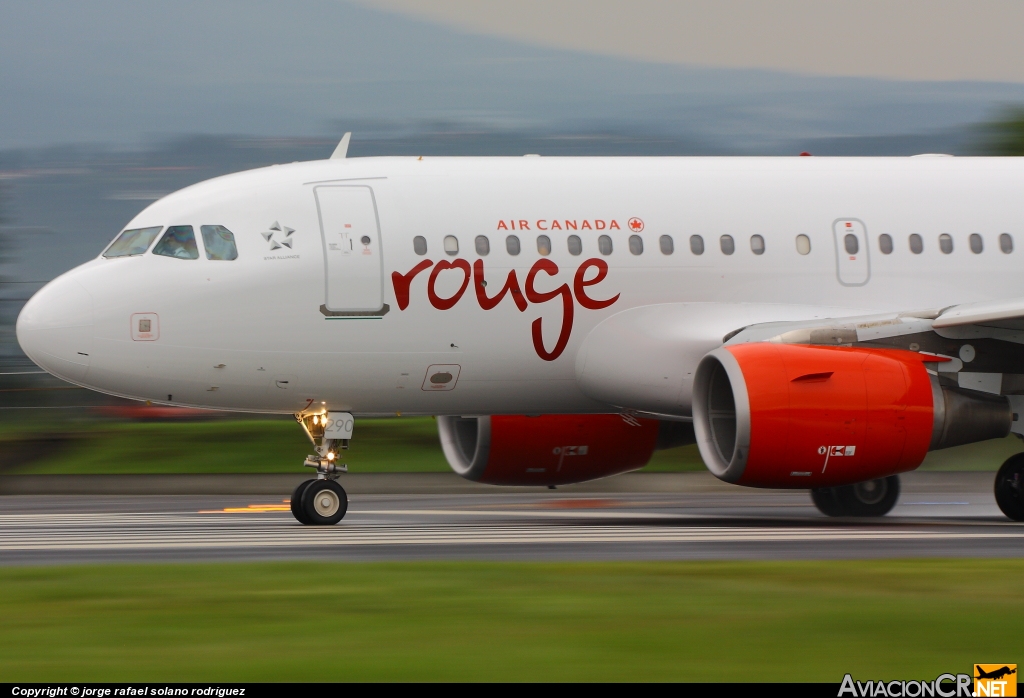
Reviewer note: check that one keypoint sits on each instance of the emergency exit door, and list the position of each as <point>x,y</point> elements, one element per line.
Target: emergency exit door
<point>852,264</point>
<point>352,251</point>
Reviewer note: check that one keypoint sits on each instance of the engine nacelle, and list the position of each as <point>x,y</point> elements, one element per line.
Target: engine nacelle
<point>797,416</point>
<point>553,449</point>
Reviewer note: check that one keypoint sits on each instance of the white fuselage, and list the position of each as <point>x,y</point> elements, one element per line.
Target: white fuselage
<point>251,334</point>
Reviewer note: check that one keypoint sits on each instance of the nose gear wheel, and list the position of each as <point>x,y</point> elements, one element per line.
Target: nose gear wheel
<point>322,503</point>
<point>296,502</point>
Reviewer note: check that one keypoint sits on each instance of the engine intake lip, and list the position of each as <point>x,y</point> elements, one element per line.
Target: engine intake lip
<point>466,442</point>
<point>721,415</point>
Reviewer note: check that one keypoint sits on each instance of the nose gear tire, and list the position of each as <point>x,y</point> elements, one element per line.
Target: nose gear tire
<point>1009,487</point>
<point>296,502</point>
<point>324,503</point>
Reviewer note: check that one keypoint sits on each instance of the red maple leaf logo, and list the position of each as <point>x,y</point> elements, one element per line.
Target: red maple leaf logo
<point>636,225</point>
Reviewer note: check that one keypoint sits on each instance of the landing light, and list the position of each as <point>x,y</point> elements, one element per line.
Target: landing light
<point>330,455</point>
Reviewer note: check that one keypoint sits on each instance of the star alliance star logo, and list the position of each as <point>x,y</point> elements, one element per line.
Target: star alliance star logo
<point>279,236</point>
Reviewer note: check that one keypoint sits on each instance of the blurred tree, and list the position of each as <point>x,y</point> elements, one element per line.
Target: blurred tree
<point>3,220</point>
<point>3,233</point>
<point>6,334</point>
<point>1005,136</point>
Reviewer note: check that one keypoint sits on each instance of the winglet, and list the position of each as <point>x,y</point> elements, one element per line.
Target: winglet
<point>342,150</point>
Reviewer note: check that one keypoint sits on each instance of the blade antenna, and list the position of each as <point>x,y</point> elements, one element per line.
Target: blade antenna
<point>341,152</point>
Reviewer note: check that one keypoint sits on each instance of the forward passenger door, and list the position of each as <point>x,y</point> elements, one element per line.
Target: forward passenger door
<point>354,266</point>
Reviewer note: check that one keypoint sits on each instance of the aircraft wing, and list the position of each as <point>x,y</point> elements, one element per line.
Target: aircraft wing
<point>644,359</point>
<point>1002,314</point>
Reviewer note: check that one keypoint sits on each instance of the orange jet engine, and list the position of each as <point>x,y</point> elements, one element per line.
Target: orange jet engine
<point>554,449</point>
<point>798,416</point>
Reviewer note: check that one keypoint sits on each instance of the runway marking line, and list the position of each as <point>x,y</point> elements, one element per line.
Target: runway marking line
<point>576,514</point>
<point>343,538</point>
<point>184,531</point>
<point>579,503</point>
<point>911,504</point>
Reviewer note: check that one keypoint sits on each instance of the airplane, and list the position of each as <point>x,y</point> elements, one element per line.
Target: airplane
<point>811,323</point>
<point>995,673</point>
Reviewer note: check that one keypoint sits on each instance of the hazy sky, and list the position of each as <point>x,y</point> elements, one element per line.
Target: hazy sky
<point>901,39</point>
<point>121,71</point>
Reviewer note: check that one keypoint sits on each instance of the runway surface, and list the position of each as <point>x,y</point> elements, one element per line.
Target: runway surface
<point>744,524</point>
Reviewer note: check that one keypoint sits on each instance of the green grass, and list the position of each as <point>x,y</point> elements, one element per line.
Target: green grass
<point>987,455</point>
<point>696,621</point>
<point>230,446</point>
<point>676,460</point>
<point>408,444</point>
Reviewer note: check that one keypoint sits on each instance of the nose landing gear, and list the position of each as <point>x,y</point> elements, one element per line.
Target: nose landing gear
<point>323,502</point>
<point>869,498</point>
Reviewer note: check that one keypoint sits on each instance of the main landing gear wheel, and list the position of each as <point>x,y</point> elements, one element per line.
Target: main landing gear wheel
<point>824,498</point>
<point>869,498</point>
<point>1010,487</point>
<point>323,503</point>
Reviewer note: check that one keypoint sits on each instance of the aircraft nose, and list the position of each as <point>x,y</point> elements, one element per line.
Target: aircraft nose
<point>55,328</point>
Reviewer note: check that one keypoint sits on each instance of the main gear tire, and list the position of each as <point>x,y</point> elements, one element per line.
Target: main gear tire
<point>324,503</point>
<point>827,502</point>
<point>1009,487</point>
<point>871,497</point>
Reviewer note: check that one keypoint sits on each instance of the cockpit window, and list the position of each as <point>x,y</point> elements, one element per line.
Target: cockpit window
<point>179,242</point>
<point>219,242</point>
<point>132,242</point>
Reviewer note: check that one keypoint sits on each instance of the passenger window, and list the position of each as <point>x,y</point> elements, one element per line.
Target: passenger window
<point>132,242</point>
<point>666,244</point>
<point>512,245</point>
<point>696,244</point>
<point>483,245</point>
<point>916,244</point>
<point>1006,243</point>
<point>575,245</point>
<point>945,243</point>
<point>544,245</point>
<point>885,243</point>
<point>636,244</point>
<point>419,245</point>
<point>851,243</point>
<point>977,244</point>
<point>803,244</point>
<point>727,244</point>
<point>219,243</point>
<point>604,245</point>
<point>179,242</point>
<point>757,244</point>
<point>451,245</point>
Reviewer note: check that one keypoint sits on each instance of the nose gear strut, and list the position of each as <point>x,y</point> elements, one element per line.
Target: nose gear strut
<point>323,502</point>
